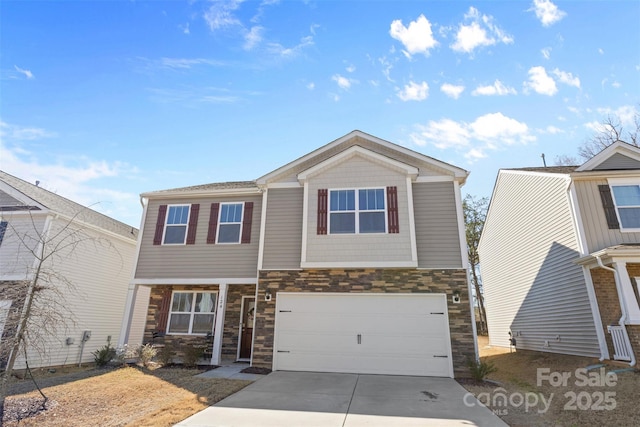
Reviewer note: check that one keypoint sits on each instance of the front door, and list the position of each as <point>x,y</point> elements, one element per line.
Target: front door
<point>246,327</point>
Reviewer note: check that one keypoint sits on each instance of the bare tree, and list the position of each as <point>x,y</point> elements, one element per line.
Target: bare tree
<point>565,160</point>
<point>612,130</point>
<point>475,214</point>
<point>39,309</point>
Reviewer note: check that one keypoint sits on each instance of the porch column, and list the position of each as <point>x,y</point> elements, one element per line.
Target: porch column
<point>132,294</point>
<point>627,296</point>
<point>218,330</point>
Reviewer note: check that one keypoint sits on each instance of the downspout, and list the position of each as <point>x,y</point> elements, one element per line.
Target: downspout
<point>623,305</point>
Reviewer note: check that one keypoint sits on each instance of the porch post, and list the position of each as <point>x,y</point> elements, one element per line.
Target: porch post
<point>132,294</point>
<point>627,296</point>
<point>218,330</point>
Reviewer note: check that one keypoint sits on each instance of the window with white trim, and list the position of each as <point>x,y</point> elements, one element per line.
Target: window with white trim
<point>192,313</point>
<point>175,227</point>
<point>230,223</point>
<point>349,214</point>
<point>627,202</point>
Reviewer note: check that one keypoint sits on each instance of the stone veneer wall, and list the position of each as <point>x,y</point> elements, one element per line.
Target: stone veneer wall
<point>609,304</point>
<point>367,281</point>
<point>15,291</point>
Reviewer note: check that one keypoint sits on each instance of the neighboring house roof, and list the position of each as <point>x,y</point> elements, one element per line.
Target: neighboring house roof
<point>66,207</point>
<point>618,148</point>
<point>547,169</point>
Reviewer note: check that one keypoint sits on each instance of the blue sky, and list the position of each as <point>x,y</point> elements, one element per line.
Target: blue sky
<point>103,100</point>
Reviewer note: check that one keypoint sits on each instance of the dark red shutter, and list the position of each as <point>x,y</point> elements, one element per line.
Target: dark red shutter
<point>193,224</point>
<point>162,213</point>
<point>213,223</point>
<point>163,311</point>
<point>609,207</point>
<point>392,209</point>
<point>246,222</point>
<point>322,210</point>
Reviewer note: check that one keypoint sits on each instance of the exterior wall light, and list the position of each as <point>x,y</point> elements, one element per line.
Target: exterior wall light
<point>456,297</point>
<point>267,295</point>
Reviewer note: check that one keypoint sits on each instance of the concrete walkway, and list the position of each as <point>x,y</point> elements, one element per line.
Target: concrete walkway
<point>346,400</point>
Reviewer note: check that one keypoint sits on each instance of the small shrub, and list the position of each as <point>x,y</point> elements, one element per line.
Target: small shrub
<point>166,354</point>
<point>191,356</point>
<point>146,353</point>
<point>125,353</point>
<point>479,369</point>
<point>104,355</point>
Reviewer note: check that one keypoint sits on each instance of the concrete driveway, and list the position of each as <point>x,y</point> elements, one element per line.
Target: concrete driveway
<point>346,400</point>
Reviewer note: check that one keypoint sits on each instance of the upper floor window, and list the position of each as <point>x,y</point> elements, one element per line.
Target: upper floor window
<point>176,225</point>
<point>627,202</point>
<point>365,213</point>
<point>230,223</point>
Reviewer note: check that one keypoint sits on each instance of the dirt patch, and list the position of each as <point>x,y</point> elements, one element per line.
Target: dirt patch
<point>256,370</point>
<point>547,389</point>
<point>124,397</point>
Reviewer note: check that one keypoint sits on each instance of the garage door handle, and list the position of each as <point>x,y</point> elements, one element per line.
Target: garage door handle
<point>283,351</point>
<point>436,355</point>
<point>285,311</point>
<point>359,339</point>
<point>436,312</point>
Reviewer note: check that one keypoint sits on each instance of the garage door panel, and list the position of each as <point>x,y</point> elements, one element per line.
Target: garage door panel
<point>403,334</point>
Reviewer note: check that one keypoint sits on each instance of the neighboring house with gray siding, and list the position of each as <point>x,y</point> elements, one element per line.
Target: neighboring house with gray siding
<point>89,272</point>
<point>560,257</point>
<point>351,258</point>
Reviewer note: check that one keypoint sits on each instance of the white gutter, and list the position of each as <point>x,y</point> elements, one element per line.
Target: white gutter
<point>623,305</point>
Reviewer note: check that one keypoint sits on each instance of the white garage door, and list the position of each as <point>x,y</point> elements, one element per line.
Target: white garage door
<point>395,334</point>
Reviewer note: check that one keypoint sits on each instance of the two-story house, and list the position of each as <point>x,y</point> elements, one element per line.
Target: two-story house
<point>560,257</point>
<point>351,258</point>
<point>82,262</point>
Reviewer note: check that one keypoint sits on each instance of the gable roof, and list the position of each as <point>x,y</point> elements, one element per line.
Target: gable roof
<point>33,197</point>
<point>380,146</point>
<point>216,187</point>
<point>630,158</point>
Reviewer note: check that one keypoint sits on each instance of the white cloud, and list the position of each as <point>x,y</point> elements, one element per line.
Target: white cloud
<point>497,88</point>
<point>553,130</point>
<point>289,52</point>
<point>185,28</point>
<point>343,82</point>
<point>416,38</point>
<point>566,78</point>
<point>27,73</point>
<point>253,37</point>
<point>546,52</point>
<point>488,132</point>
<point>601,51</point>
<point>414,92</point>
<point>625,114</point>
<point>452,91</point>
<point>481,31</point>
<point>616,84</point>
<point>19,133</point>
<point>540,82</point>
<point>547,12</point>
<point>443,134</point>
<point>311,86</point>
<point>220,14</point>
<point>351,68</point>
<point>187,63</point>
<point>74,179</point>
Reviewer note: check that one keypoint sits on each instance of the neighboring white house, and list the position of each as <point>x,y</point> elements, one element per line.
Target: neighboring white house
<point>560,257</point>
<point>98,267</point>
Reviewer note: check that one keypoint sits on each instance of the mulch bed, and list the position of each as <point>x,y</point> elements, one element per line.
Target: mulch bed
<point>256,370</point>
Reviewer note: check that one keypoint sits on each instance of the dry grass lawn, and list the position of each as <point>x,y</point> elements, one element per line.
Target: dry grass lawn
<point>130,397</point>
<point>590,402</point>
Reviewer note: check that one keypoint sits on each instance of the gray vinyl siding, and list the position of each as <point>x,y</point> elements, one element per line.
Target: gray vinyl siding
<point>283,229</point>
<point>618,161</point>
<point>531,285</point>
<point>436,220</point>
<point>597,233</point>
<point>7,200</point>
<point>200,260</point>
<point>20,238</point>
